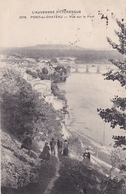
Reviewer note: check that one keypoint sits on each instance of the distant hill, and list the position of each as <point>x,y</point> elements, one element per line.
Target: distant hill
<point>49,51</point>
<point>55,47</point>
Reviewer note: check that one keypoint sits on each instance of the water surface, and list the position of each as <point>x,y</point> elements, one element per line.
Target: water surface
<point>85,93</point>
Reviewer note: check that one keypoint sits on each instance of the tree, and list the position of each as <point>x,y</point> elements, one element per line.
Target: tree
<point>54,60</point>
<point>45,70</point>
<point>113,186</point>
<point>18,103</point>
<point>60,69</point>
<point>116,115</point>
<point>23,109</point>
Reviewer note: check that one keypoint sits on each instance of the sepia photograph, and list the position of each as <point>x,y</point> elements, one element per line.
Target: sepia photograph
<point>63,96</point>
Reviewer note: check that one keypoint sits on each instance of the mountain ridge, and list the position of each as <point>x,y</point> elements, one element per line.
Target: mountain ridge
<point>55,47</point>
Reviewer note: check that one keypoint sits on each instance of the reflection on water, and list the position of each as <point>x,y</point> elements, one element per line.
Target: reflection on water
<point>85,93</point>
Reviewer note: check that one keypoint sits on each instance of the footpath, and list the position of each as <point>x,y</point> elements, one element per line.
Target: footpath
<point>56,176</point>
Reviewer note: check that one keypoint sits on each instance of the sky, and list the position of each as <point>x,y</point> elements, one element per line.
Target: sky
<point>85,32</point>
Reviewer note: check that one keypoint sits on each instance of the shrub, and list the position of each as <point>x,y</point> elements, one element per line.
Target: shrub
<point>75,177</point>
<point>45,70</point>
<point>22,107</point>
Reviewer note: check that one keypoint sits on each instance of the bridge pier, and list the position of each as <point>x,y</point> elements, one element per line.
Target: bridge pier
<point>98,69</point>
<point>68,70</point>
<point>87,69</point>
<point>76,70</point>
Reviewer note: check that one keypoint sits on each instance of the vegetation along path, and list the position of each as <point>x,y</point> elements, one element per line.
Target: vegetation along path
<point>54,178</point>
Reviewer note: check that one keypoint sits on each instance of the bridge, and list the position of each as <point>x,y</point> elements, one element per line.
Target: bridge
<point>82,68</point>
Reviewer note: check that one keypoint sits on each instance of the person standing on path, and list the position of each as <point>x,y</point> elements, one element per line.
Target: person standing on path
<point>53,146</point>
<point>65,150</point>
<point>27,142</point>
<point>45,155</point>
<point>60,146</point>
<point>86,157</point>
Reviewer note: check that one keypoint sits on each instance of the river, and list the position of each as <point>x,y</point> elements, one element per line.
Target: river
<point>85,93</point>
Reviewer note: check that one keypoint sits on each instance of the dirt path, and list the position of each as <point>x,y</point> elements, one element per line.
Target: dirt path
<point>51,183</point>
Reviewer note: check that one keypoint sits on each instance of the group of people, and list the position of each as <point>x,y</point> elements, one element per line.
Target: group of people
<point>61,146</point>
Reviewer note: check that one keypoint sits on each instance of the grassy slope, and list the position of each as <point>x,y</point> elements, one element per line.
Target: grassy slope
<point>46,172</point>
<point>74,176</point>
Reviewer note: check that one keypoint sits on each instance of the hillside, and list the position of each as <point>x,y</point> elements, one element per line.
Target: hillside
<point>19,167</point>
<point>55,47</point>
<point>32,114</point>
<point>49,51</point>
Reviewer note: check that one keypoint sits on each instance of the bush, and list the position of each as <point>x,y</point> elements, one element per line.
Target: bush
<point>75,177</point>
<point>57,92</point>
<point>43,76</point>
<point>46,173</point>
<point>113,186</point>
<point>17,116</point>
<point>32,73</point>
<point>60,69</point>
<point>26,108</point>
<point>54,60</point>
<point>45,70</point>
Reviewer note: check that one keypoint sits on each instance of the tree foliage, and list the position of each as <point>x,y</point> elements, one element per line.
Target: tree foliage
<point>42,74</point>
<point>44,70</point>
<point>54,60</point>
<point>116,115</point>
<point>23,109</point>
<point>113,186</point>
<point>32,73</point>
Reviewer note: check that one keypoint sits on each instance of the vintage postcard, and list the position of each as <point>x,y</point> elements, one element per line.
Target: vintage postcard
<point>63,102</point>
